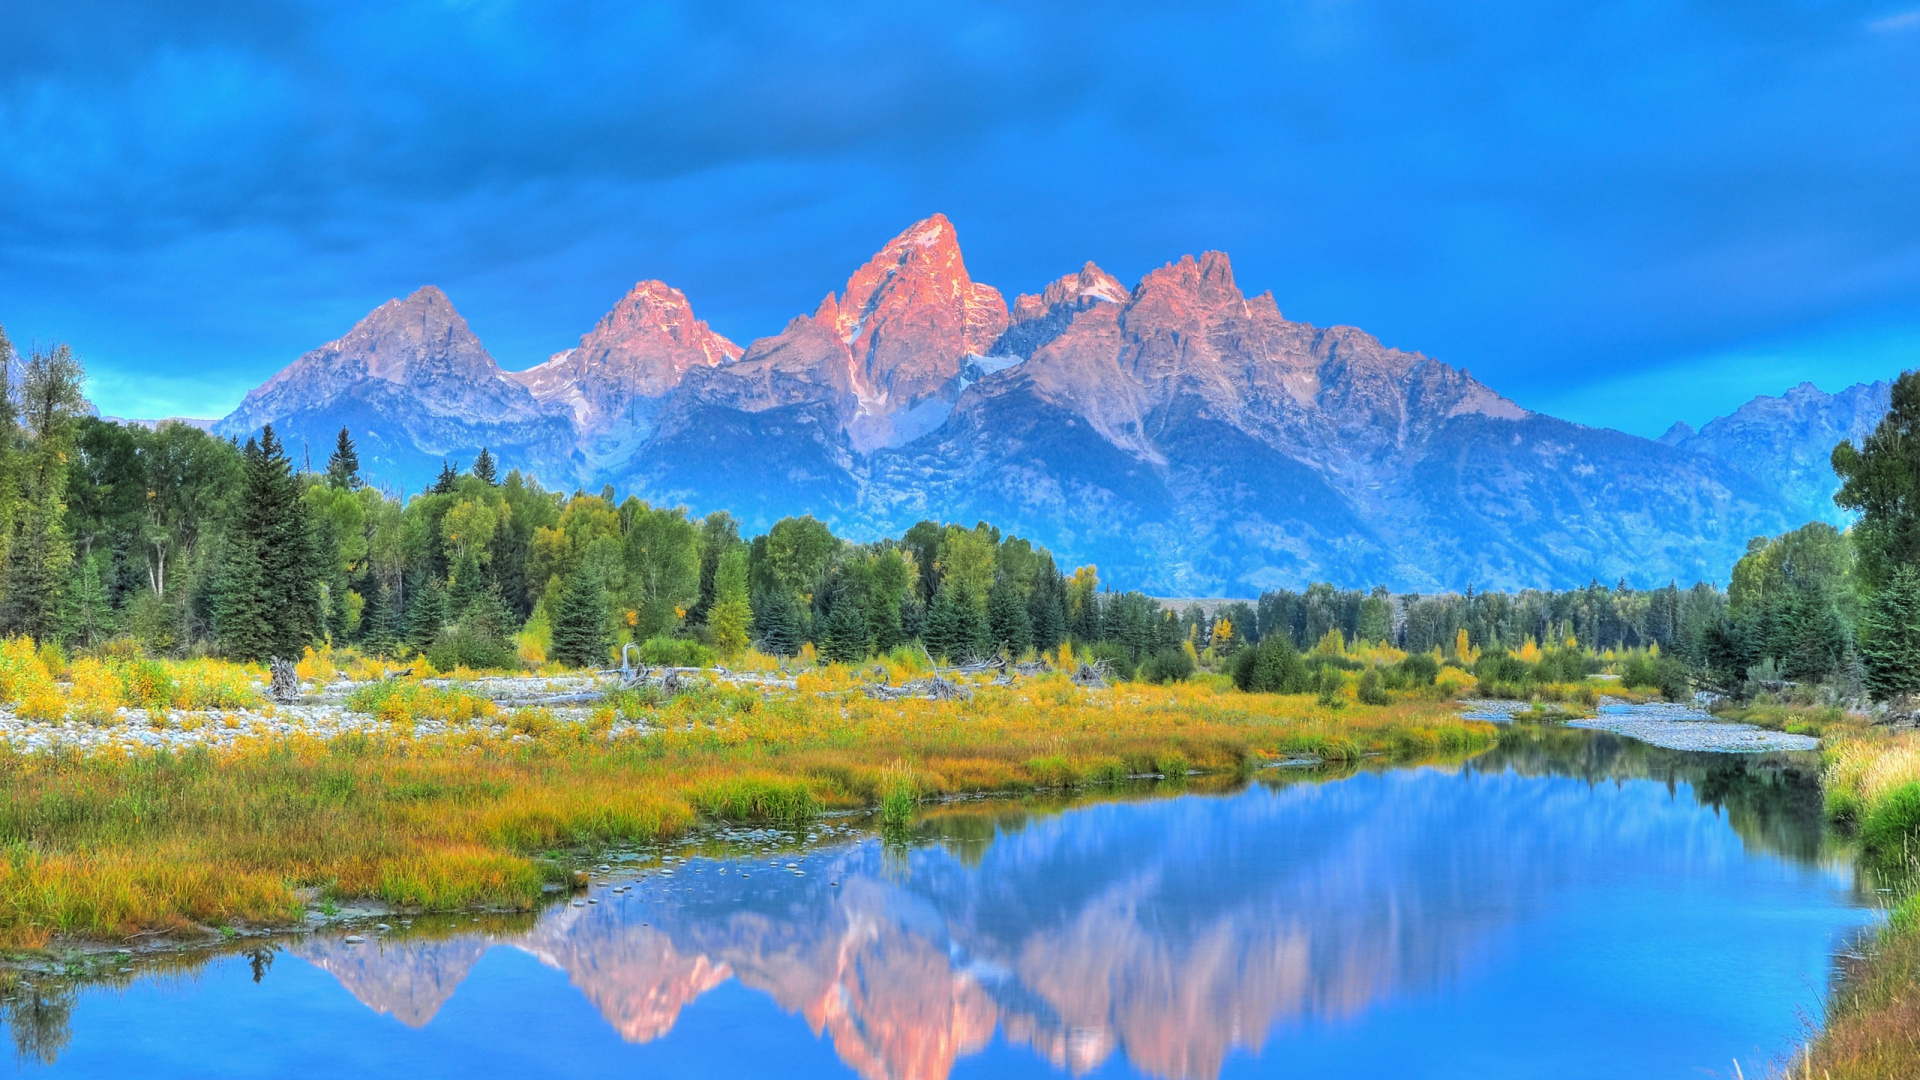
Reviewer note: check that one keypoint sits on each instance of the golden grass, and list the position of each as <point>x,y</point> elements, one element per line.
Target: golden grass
<point>1872,1031</point>
<point>114,843</point>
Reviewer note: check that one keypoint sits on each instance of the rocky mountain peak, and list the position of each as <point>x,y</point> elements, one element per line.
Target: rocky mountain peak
<point>912,312</point>
<point>1090,286</point>
<point>642,348</point>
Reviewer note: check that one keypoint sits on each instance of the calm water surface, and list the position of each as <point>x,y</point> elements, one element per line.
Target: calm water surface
<point>1575,906</point>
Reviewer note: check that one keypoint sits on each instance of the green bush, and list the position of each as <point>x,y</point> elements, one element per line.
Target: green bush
<point>458,646</point>
<point>1412,673</point>
<point>1166,666</point>
<point>675,652</point>
<point>1272,667</point>
<point>1662,673</point>
<point>1373,688</point>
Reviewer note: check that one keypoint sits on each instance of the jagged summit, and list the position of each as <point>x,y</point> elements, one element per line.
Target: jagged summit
<point>416,385</point>
<point>636,354</point>
<point>1184,436</point>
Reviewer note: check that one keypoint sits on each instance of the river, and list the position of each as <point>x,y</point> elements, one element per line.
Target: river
<point>1570,904</point>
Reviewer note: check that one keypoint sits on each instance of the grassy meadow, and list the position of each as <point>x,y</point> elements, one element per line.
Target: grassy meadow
<point>108,844</point>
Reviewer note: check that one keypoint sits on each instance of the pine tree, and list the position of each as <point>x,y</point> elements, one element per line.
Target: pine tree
<point>731,616</point>
<point>845,640</point>
<point>88,613</point>
<point>956,629</point>
<point>240,614</point>
<point>1008,624</point>
<point>1046,613</point>
<point>376,628</point>
<point>447,481</point>
<point>38,549</point>
<point>1890,636</point>
<point>273,525</point>
<point>580,623</point>
<point>485,468</point>
<point>343,468</point>
<point>427,616</point>
<point>780,629</point>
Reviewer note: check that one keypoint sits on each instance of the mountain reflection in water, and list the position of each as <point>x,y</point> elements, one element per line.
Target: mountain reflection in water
<point>1161,934</point>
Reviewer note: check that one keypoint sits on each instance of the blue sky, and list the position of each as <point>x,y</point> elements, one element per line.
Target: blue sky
<point>1623,213</point>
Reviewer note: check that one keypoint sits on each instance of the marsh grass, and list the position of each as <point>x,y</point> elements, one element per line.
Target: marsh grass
<point>113,843</point>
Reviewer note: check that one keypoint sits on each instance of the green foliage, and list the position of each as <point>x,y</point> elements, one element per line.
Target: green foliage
<point>1373,688</point>
<point>956,628</point>
<point>845,640</point>
<point>1890,636</point>
<point>269,589</point>
<point>730,618</point>
<point>1881,480</point>
<point>778,622</point>
<point>1893,822</point>
<point>343,468</point>
<point>427,616</point>
<point>1662,673</point>
<point>1272,667</point>
<point>1008,624</point>
<point>797,553</point>
<point>580,637</point>
<point>1118,660</point>
<point>1331,685</point>
<point>1413,673</point>
<point>1167,666</point>
<point>675,652</point>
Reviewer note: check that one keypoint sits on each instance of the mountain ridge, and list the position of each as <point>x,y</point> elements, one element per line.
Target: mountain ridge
<point>1184,436</point>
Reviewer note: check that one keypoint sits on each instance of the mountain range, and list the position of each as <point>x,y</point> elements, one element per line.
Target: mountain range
<point>1185,437</point>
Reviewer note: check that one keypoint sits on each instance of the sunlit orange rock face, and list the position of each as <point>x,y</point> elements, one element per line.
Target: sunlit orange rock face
<point>892,341</point>
<point>636,354</point>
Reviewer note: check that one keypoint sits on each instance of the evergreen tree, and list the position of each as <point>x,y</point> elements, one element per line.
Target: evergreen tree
<point>485,468</point>
<point>275,542</point>
<point>1046,612</point>
<point>343,468</point>
<point>1272,667</point>
<point>580,636</point>
<point>845,640</point>
<point>88,613</point>
<point>427,616</point>
<point>780,627</point>
<point>956,628</point>
<point>1008,624</point>
<point>448,480</point>
<point>38,549</point>
<point>240,604</point>
<point>376,621</point>
<point>1881,479</point>
<point>913,617</point>
<point>1890,636</point>
<point>731,616</point>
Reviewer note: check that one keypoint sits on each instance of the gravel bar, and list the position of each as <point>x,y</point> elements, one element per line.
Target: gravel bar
<point>1675,727</point>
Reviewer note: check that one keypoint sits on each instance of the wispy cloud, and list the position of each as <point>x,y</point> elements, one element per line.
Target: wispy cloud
<point>1893,24</point>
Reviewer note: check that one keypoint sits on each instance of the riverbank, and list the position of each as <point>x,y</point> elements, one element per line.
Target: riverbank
<point>438,798</point>
<point>1872,1026</point>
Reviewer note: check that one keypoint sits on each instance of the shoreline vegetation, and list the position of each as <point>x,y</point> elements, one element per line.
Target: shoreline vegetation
<point>115,843</point>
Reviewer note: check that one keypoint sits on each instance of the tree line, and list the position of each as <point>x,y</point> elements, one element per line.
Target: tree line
<point>189,543</point>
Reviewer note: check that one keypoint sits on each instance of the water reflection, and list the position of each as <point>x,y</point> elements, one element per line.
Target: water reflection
<point>1162,935</point>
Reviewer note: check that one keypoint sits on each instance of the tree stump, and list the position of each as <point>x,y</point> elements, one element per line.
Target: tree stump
<point>285,685</point>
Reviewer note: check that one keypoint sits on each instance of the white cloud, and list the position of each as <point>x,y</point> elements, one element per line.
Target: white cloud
<point>1893,24</point>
